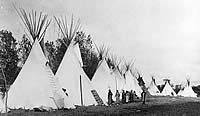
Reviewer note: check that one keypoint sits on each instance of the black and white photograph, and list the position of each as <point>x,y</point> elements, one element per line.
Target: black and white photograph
<point>99,57</point>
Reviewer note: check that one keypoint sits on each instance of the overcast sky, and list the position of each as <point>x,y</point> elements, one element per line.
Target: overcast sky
<point>163,37</point>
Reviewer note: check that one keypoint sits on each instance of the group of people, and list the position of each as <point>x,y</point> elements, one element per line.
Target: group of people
<point>126,97</point>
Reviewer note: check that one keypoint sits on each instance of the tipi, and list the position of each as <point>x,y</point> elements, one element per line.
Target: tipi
<point>167,90</point>
<point>70,72</point>
<point>132,84</point>
<point>153,89</point>
<point>119,79</point>
<point>187,91</point>
<point>103,81</point>
<point>73,78</point>
<point>32,87</point>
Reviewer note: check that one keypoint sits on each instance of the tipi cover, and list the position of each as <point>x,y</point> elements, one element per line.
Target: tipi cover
<point>32,86</point>
<point>59,97</point>
<point>103,81</point>
<point>119,80</point>
<point>167,90</point>
<point>153,89</point>
<point>187,91</point>
<point>132,84</point>
<point>72,77</point>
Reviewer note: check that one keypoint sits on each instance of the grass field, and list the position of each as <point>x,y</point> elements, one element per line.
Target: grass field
<point>155,106</point>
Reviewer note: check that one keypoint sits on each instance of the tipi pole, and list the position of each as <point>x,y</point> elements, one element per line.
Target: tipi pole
<point>81,91</point>
<point>116,82</point>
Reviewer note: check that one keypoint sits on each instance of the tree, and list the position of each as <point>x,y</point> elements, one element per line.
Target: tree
<point>89,57</point>
<point>8,56</point>
<point>177,88</point>
<point>140,79</point>
<point>161,87</point>
<point>197,90</point>
<point>51,54</point>
<point>55,53</point>
<point>57,50</point>
<point>24,50</point>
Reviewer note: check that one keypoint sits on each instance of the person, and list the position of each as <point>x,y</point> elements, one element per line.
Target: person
<point>65,91</point>
<point>143,94</point>
<point>131,96</point>
<point>110,100</point>
<point>134,96</point>
<point>127,96</point>
<point>123,96</point>
<point>117,96</point>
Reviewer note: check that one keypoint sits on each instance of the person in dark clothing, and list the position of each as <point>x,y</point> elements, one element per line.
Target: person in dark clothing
<point>123,96</point>
<point>110,100</point>
<point>131,96</point>
<point>143,95</point>
<point>117,96</point>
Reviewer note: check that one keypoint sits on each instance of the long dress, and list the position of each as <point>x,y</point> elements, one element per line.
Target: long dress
<point>117,95</point>
<point>110,97</point>
<point>127,97</point>
<point>123,97</point>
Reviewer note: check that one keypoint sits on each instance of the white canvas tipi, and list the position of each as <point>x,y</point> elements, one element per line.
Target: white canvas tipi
<point>153,89</point>
<point>167,90</point>
<point>132,84</point>
<point>187,91</point>
<point>119,79</point>
<point>72,77</point>
<point>32,87</point>
<point>103,81</point>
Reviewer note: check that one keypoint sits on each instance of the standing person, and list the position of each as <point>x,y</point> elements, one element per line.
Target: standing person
<point>134,96</point>
<point>143,96</point>
<point>123,97</point>
<point>127,96</point>
<point>131,96</point>
<point>110,100</point>
<point>117,96</point>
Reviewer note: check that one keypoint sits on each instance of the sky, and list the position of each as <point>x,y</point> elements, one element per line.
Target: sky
<point>162,37</point>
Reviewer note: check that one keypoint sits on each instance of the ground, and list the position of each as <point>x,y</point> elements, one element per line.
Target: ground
<point>155,106</point>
